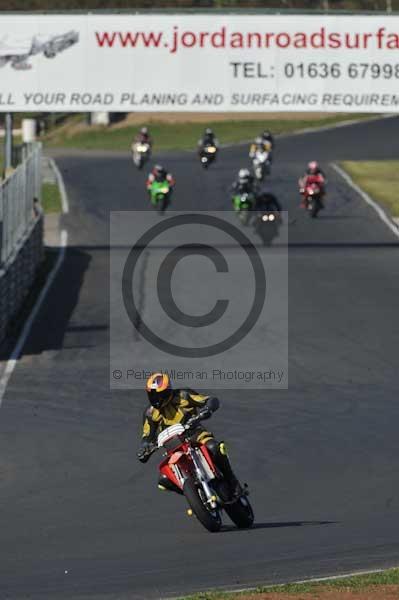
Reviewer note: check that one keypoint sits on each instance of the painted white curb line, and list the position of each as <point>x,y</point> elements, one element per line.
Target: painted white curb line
<point>383,216</point>
<point>61,185</point>
<point>297,581</point>
<point>16,353</point>
<point>308,130</point>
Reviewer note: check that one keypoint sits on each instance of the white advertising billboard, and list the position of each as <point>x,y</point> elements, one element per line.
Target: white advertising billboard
<point>203,62</point>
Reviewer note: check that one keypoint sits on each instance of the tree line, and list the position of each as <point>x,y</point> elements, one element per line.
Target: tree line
<point>54,5</point>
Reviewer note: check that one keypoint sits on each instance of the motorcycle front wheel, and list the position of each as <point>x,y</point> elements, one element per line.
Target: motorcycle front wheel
<point>315,208</point>
<point>209,518</point>
<point>243,215</point>
<point>161,204</point>
<point>241,513</point>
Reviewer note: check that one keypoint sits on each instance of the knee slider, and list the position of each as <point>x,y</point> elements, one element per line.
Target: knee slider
<point>223,449</point>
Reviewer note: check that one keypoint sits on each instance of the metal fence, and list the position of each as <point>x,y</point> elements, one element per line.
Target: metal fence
<point>17,194</point>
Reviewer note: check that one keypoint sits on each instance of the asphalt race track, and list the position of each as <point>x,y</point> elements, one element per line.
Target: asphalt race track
<point>81,518</point>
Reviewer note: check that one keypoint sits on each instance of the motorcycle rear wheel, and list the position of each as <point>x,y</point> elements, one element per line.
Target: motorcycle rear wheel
<point>211,520</point>
<point>241,513</point>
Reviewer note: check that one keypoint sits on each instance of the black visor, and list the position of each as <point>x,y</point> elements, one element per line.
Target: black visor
<point>158,398</point>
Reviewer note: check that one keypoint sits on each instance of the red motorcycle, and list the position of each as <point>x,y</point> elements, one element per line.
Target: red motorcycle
<point>189,467</point>
<point>312,196</point>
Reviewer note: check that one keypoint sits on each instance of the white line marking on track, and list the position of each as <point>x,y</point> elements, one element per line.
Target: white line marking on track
<point>311,580</point>
<point>320,129</point>
<point>15,355</point>
<point>13,360</point>
<point>338,125</point>
<point>383,216</point>
<point>61,185</point>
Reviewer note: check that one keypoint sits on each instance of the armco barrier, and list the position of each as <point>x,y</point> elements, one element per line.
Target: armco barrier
<point>21,237</point>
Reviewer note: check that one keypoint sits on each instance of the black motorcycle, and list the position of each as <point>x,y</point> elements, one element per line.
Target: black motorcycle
<point>266,225</point>
<point>208,155</point>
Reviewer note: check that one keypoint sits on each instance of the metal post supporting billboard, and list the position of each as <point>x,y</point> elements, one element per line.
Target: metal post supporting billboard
<point>8,142</point>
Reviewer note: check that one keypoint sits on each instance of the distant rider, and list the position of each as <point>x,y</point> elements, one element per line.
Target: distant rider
<point>143,137</point>
<point>267,136</point>
<point>245,183</point>
<point>313,175</point>
<point>159,173</point>
<point>259,145</point>
<point>208,139</point>
<point>267,202</point>
<point>168,407</point>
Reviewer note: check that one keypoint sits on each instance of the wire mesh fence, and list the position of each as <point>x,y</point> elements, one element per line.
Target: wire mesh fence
<point>17,194</point>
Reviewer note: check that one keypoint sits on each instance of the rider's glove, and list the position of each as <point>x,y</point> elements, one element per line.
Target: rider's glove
<point>205,413</point>
<point>143,454</point>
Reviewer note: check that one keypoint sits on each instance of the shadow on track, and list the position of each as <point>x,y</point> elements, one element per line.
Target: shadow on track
<point>60,304</point>
<point>278,525</point>
<point>344,245</point>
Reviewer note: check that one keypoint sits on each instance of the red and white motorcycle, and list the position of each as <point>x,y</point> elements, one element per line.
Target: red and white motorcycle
<point>189,467</point>
<point>312,195</point>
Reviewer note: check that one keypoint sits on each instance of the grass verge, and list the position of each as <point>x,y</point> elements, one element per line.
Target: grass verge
<point>371,587</point>
<point>51,198</point>
<point>380,179</point>
<point>181,135</point>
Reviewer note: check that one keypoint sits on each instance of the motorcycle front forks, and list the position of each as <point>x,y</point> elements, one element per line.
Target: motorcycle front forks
<point>210,495</point>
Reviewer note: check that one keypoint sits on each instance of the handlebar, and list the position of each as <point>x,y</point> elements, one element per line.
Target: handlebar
<point>187,426</point>
<point>196,419</point>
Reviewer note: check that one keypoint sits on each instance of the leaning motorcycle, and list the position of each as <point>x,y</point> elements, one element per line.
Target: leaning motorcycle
<point>208,155</point>
<point>160,192</point>
<point>190,469</point>
<point>141,154</point>
<point>243,205</point>
<point>313,199</point>
<point>261,164</point>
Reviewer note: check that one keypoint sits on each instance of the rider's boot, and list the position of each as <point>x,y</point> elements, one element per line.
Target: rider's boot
<point>220,456</point>
<point>165,484</point>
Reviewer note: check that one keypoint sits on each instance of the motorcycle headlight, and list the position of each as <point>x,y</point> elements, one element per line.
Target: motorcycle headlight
<point>211,149</point>
<point>164,190</point>
<point>271,217</point>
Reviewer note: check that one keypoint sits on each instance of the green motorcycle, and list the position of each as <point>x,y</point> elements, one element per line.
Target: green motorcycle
<point>160,192</point>
<point>243,205</point>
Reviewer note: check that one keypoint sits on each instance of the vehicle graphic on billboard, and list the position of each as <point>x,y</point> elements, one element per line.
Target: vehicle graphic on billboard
<point>17,52</point>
